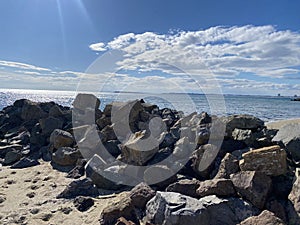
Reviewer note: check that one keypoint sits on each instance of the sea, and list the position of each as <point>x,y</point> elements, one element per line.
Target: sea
<point>267,108</point>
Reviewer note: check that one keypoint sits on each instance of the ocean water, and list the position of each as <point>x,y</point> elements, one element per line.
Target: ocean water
<point>268,108</point>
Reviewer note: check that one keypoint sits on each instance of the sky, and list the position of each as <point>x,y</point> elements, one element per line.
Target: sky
<point>238,47</point>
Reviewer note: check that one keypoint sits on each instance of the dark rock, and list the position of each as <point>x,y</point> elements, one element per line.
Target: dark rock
<point>78,170</point>
<point>219,187</point>
<point>83,203</point>
<point>24,163</point>
<point>203,160</point>
<point>108,133</point>
<point>49,124</point>
<point>140,195</point>
<point>55,111</point>
<point>112,147</point>
<point>122,208</point>
<point>252,186</point>
<point>294,203</point>
<point>103,122</point>
<point>289,135</point>
<point>11,157</point>
<point>185,187</point>
<point>278,208</point>
<point>229,165</point>
<point>84,101</point>
<point>66,156</point>
<point>83,187</point>
<point>60,138</point>
<point>123,221</point>
<point>171,208</point>
<point>32,111</point>
<point>265,218</point>
<point>8,148</point>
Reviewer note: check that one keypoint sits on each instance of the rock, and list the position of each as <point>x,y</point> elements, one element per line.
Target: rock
<point>24,163</point>
<point>183,148</point>
<point>122,208</point>
<point>60,138</point>
<point>55,111</point>
<point>31,111</point>
<point>268,160</point>
<point>245,122</point>
<point>294,203</point>
<point>219,187</point>
<point>11,157</point>
<point>78,170</point>
<point>185,187</point>
<point>136,151</point>
<point>278,208</point>
<point>246,136</point>
<point>252,186</point>
<point>140,195</point>
<point>83,203</point>
<point>103,122</point>
<point>8,148</point>
<point>123,221</point>
<point>49,124</point>
<point>171,208</point>
<point>84,101</point>
<point>229,165</point>
<point>265,218</point>
<point>83,187</point>
<point>112,147</point>
<point>289,135</point>
<point>108,133</point>
<point>66,156</point>
<point>203,160</point>
<point>159,175</point>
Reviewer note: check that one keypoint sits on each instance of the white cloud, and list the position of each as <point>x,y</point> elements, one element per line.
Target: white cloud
<point>100,47</point>
<point>22,66</point>
<point>261,50</point>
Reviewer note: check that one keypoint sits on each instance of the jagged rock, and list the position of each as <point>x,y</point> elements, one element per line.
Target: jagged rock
<point>252,186</point>
<point>79,170</point>
<point>171,208</point>
<point>140,195</point>
<point>66,156</point>
<point>31,111</point>
<point>103,122</point>
<point>49,124</point>
<point>84,101</point>
<point>294,203</point>
<point>229,165</point>
<point>60,138</point>
<point>278,208</point>
<point>246,136</point>
<point>268,160</point>
<point>289,135</point>
<point>122,208</point>
<point>203,160</point>
<point>123,221</point>
<point>11,157</point>
<point>55,111</point>
<point>83,187</point>
<point>159,175</point>
<point>219,187</point>
<point>112,147</point>
<point>137,151</point>
<point>183,148</point>
<point>185,187</point>
<point>24,163</point>
<point>265,218</point>
<point>108,133</point>
<point>83,203</point>
<point>245,122</point>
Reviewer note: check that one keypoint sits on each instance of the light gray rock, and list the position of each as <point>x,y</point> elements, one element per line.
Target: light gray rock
<point>60,138</point>
<point>229,165</point>
<point>185,187</point>
<point>289,135</point>
<point>66,156</point>
<point>265,218</point>
<point>170,208</point>
<point>84,101</point>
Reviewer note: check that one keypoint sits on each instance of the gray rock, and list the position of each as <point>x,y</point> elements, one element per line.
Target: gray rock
<point>229,165</point>
<point>159,175</point>
<point>289,135</point>
<point>66,156</point>
<point>49,124</point>
<point>265,218</point>
<point>294,203</point>
<point>11,157</point>
<point>60,138</point>
<point>84,101</point>
<point>171,208</point>
<point>252,186</point>
<point>32,111</point>
<point>7,148</point>
<point>140,195</point>
<point>246,136</point>
<point>83,203</point>
<point>203,160</point>
<point>55,111</point>
<point>219,187</point>
<point>24,163</point>
<point>185,187</point>
<point>269,160</point>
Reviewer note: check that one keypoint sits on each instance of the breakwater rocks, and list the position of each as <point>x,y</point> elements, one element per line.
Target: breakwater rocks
<point>172,168</point>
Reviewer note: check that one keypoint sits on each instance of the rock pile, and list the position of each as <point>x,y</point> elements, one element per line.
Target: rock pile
<point>185,169</point>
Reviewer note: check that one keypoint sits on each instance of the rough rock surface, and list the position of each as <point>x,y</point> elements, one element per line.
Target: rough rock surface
<point>66,156</point>
<point>269,160</point>
<point>229,165</point>
<point>265,218</point>
<point>219,187</point>
<point>140,195</point>
<point>252,186</point>
<point>60,138</point>
<point>294,203</point>
<point>186,187</point>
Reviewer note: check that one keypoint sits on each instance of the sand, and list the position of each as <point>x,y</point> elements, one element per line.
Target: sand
<point>29,197</point>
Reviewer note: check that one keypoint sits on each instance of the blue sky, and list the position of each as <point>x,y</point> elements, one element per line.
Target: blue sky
<point>247,47</point>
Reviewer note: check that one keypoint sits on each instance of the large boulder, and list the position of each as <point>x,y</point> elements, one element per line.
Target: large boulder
<point>140,195</point>
<point>219,187</point>
<point>85,101</point>
<point>229,165</point>
<point>60,138</point>
<point>289,135</point>
<point>49,124</point>
<point>66,156</point>
<point>171,208</point>
<point>185,187</point>
<point>139,151</point>
<point>252,186</point>
<point>269,160</point>
<point>31,111</point>
<point>265,218</point>
<point>294,203</point>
